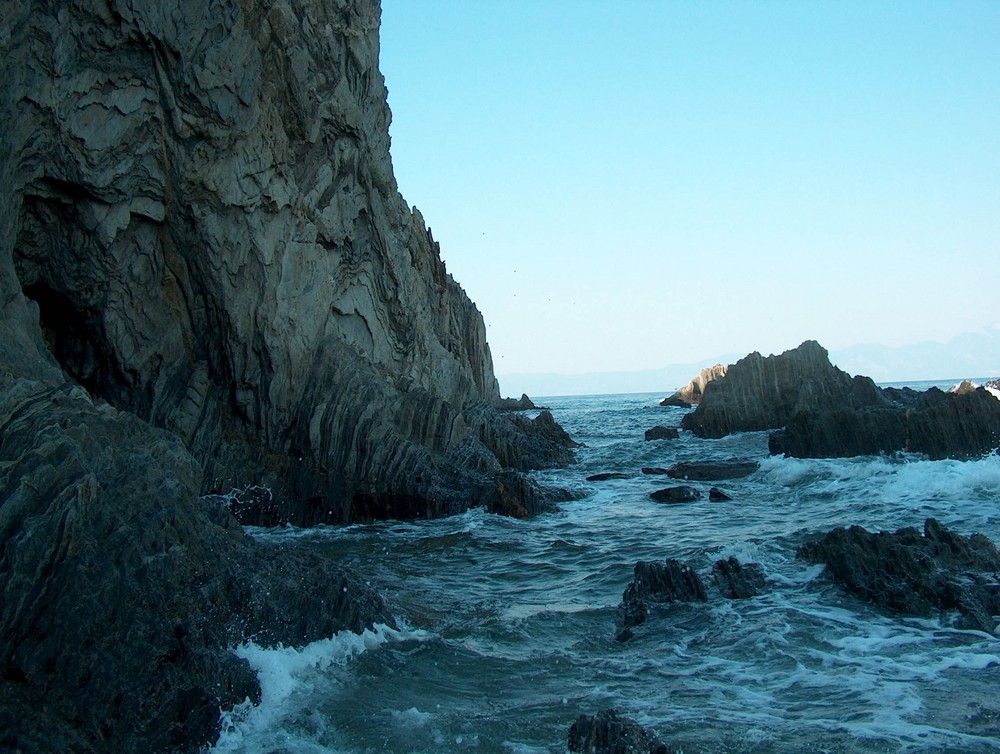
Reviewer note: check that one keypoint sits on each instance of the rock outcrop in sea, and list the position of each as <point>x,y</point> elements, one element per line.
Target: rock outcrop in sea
<point>817,410</point>
<point>915,573</point>
<point>209,283</point>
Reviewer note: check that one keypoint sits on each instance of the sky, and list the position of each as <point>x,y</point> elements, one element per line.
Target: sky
<point>624,186</point>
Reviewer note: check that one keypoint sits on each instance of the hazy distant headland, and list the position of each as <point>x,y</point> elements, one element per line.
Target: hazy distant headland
<point>974,355</point>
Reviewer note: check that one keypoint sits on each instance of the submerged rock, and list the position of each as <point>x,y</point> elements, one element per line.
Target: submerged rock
<point>654,471</point>
<point>915,573</point>
<point>661,433</point>
<point>718,496</point>
<point>679,494</point>
<point>738,580</point>
<point>606,475</point>
<point>608,732</point>
<point>691,394</point>
<point>708,471</point>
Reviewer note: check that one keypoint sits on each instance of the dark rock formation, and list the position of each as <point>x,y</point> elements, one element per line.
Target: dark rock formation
<point>121,589</point>
<point>203,227</point>
<point>606,475</point>
<point>524,403</point>
<point>679,494</point>
<point>914,573</point>
<point>654,471</point>
<point>935,423</point>
<point>209,282</point>
<point>738,580</point>
<point>718,496</point>
<point>708,471</point>
<point>669,581</point>
<point>760,393</point>
<point>821,411</point>
<point>661,433</point>
<point>691,394</point>
<point>608,732</point>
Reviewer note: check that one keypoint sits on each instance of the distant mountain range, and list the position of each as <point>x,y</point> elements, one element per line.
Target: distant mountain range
<point>970,355</point>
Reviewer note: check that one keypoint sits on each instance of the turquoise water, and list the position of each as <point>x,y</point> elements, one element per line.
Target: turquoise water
<point>507,627</point>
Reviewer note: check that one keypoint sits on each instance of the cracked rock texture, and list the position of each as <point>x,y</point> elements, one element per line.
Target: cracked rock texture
<point>201,216</point>
<point>209,282</point>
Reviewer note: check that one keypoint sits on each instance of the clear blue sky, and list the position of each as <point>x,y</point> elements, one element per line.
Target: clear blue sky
<point>621,186</point>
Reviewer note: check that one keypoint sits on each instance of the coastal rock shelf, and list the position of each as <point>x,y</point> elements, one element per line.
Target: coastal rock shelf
<point>212,291</point>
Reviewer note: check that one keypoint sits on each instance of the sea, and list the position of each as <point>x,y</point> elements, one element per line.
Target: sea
<point>507,628</point>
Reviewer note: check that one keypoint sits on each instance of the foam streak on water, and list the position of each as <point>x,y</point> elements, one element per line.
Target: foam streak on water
<point>514,621</point>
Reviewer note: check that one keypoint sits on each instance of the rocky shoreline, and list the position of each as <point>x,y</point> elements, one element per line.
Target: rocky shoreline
<point>213,301</point>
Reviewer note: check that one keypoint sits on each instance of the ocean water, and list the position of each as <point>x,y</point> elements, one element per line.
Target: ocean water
<point>507,628</point>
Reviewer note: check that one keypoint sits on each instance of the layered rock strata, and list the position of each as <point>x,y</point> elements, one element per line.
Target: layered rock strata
<point>202,227</point>
<point>209,283</point>
<point>690,394</point>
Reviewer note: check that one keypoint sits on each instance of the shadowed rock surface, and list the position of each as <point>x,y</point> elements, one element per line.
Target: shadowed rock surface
<point>737,580</point>
<point>524,403</point>
<point>653,583</point>
<point>935,423</point>
<point>819,411</point>
<point>759,393</point>
<point>661,433</point>
<point>679,494</point>
<point>718,496</point>
<point>915,573</point>
<point>708,471</point>
<point>608,732</point>
<point>211,290</point>
<point>691,394</point>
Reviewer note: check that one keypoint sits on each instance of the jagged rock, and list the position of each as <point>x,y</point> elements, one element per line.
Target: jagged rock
<point>691,394</point>
<point>935,423</point>
<point>669,581</point>
<point>121,590</point>
<point>738,580</point>
<point>914,573</point>
<point>819,411</point>
<point>654,471</point>
<point>679,494</point>
<point>661,433</point>
<point>716,495</point>
<point>606,475</point>
<point>759,393</point>
<point>608,732</point>
<point>524,403</point>
<point>209,282</point>
<point>708,471</point>
<point>203,226</point>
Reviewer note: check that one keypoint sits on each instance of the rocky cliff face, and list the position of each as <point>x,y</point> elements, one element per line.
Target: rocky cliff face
<point>208,280</point>
<point>202,227</point>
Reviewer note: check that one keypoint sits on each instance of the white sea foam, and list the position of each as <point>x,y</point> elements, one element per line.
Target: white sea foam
<point>281,672</point>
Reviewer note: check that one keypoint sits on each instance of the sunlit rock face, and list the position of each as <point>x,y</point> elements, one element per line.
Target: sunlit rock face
<point>202,227</point>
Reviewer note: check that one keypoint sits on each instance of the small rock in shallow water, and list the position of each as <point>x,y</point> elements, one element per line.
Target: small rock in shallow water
<point>661,433</point>
<point>718,496</point>
<point>608,732</point>
<point>604,476</point>
<point>680,494</point>
<point>738,580</point>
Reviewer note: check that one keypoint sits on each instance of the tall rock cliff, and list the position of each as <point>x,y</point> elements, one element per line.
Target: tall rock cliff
<point>208,281</point>
<point>203,228</point>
